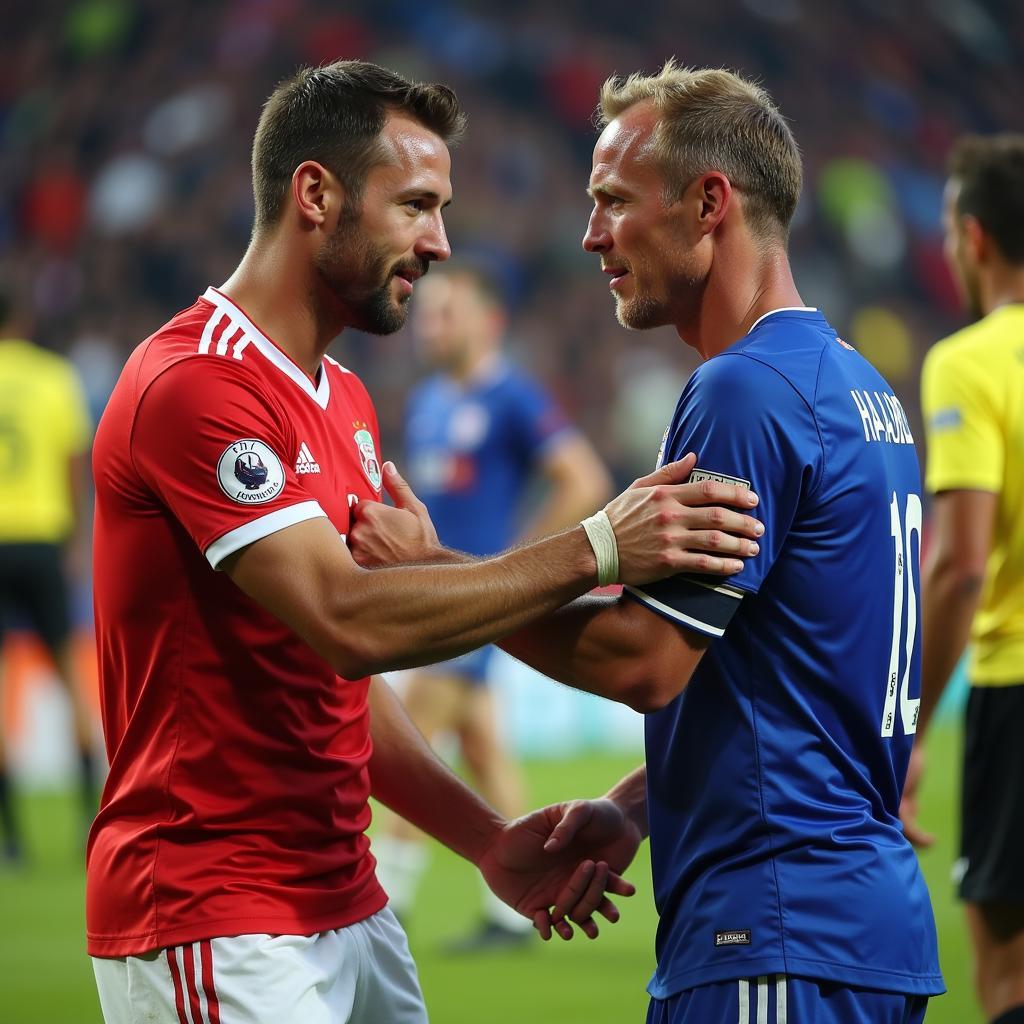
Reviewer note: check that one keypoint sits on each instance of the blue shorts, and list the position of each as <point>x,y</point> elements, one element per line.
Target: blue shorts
<point>471,667</point>
<point>779,999</point>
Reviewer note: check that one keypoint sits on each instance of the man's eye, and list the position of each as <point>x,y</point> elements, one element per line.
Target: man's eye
<point>415,204</point>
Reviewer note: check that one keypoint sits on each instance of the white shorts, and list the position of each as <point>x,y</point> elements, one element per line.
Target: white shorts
<point>362,974</point>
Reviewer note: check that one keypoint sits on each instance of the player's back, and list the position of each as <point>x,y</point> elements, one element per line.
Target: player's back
<point>973,398</point>
<point>775,778</point>
<point>43,424</point>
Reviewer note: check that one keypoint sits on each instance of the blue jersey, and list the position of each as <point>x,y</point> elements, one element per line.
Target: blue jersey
<point>471,450</point>
<point>774,779</point>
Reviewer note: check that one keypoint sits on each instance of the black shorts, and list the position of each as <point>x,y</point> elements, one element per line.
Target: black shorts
<point>992,802</point>
<point>34,591</point>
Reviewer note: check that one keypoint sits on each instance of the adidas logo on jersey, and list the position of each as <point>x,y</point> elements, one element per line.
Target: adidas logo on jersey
<point>305,463</point>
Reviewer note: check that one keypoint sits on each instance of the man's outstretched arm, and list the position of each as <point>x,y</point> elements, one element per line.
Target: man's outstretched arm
<point>575,879</point>
<point>364,622</point>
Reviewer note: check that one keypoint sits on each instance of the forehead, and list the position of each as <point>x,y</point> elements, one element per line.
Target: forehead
<point>415,159</point>
<point>624,151</point>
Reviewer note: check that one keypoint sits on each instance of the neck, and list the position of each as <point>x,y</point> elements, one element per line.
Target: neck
<point>475,365</point>
<point>740,288</point>
<point>276,287</point>
<point>1003,285</point>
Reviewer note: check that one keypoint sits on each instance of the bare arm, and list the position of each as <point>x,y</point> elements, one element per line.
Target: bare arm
<point>575,879</point>
<point>407,776</point>
<point>614,647</point>
<point>953,577</point>
<point>365,621</point>
<point>577,484</point>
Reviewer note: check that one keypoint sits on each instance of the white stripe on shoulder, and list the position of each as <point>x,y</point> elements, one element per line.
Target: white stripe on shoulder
<point>686,620</point>
<point>257,529</point>
<point>206,340</point>
<point>320,393</point>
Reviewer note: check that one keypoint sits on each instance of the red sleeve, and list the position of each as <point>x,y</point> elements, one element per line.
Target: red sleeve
<point>218,452</point>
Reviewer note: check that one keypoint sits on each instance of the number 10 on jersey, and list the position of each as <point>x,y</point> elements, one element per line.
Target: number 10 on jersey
<point>904,609</point>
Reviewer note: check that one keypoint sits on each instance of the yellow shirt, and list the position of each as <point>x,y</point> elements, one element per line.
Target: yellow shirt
<point>43,424</point>
<point>973,404</point>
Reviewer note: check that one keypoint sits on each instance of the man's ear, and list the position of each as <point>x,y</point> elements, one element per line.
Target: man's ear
<point>714,195</point>
<point>316,192</point>
<point>976,241</point>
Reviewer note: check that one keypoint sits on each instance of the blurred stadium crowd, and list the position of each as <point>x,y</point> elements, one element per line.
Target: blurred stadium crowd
<point>125,128</point>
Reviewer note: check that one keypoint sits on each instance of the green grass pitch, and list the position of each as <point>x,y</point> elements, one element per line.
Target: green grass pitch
<point>45,977</point>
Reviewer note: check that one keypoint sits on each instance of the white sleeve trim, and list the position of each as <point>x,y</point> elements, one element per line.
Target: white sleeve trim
<point>672,613</point>
<point>257,529</point>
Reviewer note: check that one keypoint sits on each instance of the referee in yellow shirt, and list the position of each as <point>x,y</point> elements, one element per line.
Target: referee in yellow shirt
<point>973,578</point>
<point>44,440</point>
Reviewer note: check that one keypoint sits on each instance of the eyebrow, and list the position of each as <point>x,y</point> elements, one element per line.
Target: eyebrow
<point>604,190</point>
<point>428,194</point>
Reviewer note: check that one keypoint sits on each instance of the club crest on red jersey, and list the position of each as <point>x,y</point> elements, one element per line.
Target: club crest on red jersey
<point>368,455</point>
<point>249,472</point>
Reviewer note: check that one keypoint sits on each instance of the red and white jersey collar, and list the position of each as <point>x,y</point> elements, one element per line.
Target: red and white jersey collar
<point>239,332</point>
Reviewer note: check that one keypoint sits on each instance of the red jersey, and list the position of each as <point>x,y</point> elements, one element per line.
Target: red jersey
<point>238,786</point>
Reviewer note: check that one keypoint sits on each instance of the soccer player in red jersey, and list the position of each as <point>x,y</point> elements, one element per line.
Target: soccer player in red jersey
<point>238,640</point>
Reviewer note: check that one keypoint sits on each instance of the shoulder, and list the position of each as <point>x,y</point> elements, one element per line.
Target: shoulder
<point>747,379</point>
<point>970,357</point>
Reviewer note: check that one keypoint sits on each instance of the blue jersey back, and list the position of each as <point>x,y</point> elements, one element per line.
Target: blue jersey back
<point>774,779</point>
<point>471,451</point>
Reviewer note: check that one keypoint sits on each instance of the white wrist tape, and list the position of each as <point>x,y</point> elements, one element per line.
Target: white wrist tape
<point>602,539</point>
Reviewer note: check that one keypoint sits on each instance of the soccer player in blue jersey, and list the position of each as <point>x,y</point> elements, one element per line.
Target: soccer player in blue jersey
<point>781,705</point>
<point>480,433</point>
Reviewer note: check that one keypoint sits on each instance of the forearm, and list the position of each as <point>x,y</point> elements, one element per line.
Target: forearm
<point>415,615</point>
<point>407,776</point>
<point>949,601</point>
<point>611,647</point>
<point>630,793</point>
<point>576,644</point>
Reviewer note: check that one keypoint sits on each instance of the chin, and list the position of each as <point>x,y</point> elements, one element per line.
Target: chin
<point>639,314</point>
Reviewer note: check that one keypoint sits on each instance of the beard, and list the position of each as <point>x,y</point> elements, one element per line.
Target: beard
<point>641,312</point>
<point>357,273</point>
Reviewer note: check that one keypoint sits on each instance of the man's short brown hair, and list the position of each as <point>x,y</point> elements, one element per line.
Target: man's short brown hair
<point>714,120</point>
<point>334,115</point>
<point>990,172</point>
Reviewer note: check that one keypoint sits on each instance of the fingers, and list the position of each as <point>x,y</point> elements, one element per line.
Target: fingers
<point>398,489</point>
<point>917,836</point>
<point>584,893</point>
<point>575,819</point>
<point>670,473</point>
<point>713,492</point>
<point>542,922</point>
<point>715,517</point>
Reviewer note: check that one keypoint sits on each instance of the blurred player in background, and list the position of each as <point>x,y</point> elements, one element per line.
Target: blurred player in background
<point>781,704</point>
<point>479,433</point>
<point>240,644</point>
<point>44,441</point>
<point>973,404</point>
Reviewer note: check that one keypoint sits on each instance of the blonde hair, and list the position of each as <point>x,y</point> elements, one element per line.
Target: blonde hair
<point>714,120</point>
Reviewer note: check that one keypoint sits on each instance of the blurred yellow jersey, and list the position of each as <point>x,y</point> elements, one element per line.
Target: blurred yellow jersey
<point>973,404</point>
<point>43,424</point>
